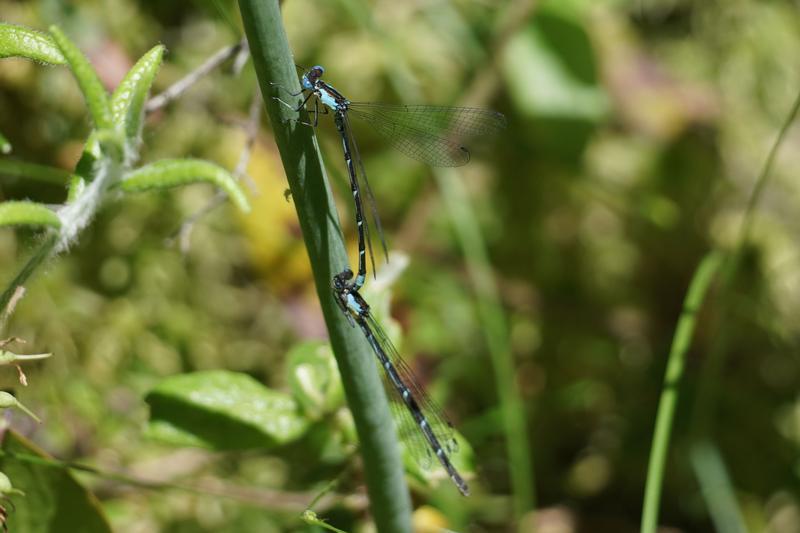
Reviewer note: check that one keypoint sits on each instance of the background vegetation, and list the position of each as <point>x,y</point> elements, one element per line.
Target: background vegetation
<point>562,252</point>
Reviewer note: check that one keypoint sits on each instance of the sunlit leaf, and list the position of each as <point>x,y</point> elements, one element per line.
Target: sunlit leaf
<point>551,69</point>
<point>18,41</point>
<point>53,500</point>
<point>169,173</point>
<point>224,411</point>
<point>314,378</point>
<point>93,91</point>
<point>27,214</point>
<point>5,146</point>
<point>127,102</point>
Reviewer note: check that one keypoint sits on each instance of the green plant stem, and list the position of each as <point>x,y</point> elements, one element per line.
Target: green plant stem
<point>761,182</point>
<point>716,486</point>
<point>669,393</point>
<point>721,500</point>
<point>74,216</point>
<point>316,212</point>
<point>704,406</point>
<point>41,254</point>
<point>497,338</point>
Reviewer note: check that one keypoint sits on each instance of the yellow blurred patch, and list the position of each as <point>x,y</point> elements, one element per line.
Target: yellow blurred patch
<point>272,230</point>
<point>428,519</point>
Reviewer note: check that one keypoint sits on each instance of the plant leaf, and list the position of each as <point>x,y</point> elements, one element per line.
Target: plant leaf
<point>5,146</point>
<point>53,500</point>
<point>551,70</point>
<point>27,214</point>
<point>93,91</point>
<point>314,378</point>
<point>43,173</point>
<point>223,410</point>
<point>169,173</point>
<point>127,102</point>
<point>19,41</point>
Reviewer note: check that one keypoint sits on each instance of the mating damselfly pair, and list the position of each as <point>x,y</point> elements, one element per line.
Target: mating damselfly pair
<point>433,135</point>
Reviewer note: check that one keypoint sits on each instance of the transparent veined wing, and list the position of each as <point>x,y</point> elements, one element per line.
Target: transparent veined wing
<point>408,427</point>
<point>434,135</point>
<point>364,190</point>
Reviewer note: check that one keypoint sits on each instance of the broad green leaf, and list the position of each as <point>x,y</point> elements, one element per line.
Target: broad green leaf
<point>170,433</point>
<point>54,501</point>
<point>223,410</point>
<point>93,91</point>
<point>127,102</point>
<point>27,214</point>
<point>551,69</point>
<point>19,41</point>
<point>5,146</point>
<point>314,378</point>
<point>169,173</point>
<point>43,173</point>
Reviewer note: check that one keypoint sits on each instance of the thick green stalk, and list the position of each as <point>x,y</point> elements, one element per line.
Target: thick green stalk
<point>316,212</point>
<point>669,392</point>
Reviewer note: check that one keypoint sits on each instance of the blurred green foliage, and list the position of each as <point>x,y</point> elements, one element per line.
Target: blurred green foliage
<point>636,131</point>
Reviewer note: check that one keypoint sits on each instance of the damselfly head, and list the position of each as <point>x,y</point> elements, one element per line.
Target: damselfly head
<point>315,74</point>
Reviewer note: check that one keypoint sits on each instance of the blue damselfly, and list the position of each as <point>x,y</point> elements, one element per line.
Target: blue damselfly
<point>431,134</point>
<point>433,434</point>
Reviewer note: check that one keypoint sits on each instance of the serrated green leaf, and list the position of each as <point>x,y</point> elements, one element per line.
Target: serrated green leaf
<point>53,500</point>
<point>93,91</point>
<point>314,378</point>
<point>223,410</point>
<point>43,173</point>
<point>127,102</point>
<point>19,41</point>
<point>27,214</point>
<point>169,173</point>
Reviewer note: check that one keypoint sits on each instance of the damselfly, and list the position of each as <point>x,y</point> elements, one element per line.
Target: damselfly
<point>431,134</point>
<point>436,432</point>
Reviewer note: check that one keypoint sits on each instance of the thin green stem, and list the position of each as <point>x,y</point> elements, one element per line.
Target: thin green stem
<point>497,337</point>
<point>669,393</point>
<point>42,253</point>
<point>721,500</point>
<point>717,488</point>
<point>74,217</point>
<point>761,182</point>
<point>389,499</point>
